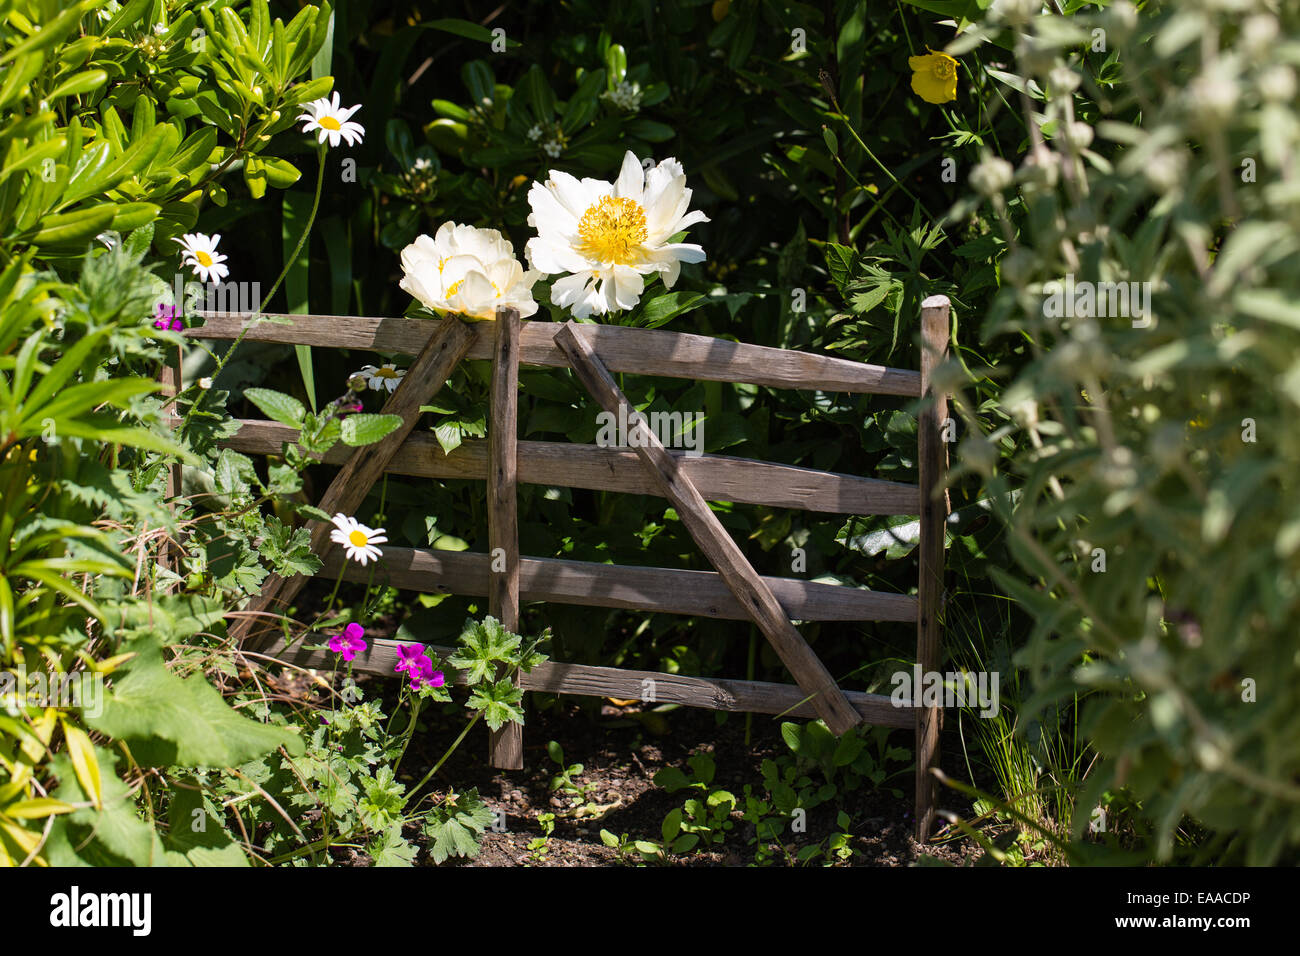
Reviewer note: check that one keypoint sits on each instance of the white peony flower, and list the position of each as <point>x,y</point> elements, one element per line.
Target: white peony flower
<point>468,271</point>
<point>330,119</point>
<point>606,237</point>
<point>358,541</point>
<point>385,377</point>
<point>201,255</point>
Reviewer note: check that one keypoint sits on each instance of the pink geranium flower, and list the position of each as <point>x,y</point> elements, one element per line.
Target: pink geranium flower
<point>416,664</point>
<point>434,679</point>
<point>166,317</point>
<point>350,642</point>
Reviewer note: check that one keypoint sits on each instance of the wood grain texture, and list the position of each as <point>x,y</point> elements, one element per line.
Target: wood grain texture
<point>622,349</point>
<point>555,677</point>
<point>712,539</point>
<point>718,477</point>
<point>932,456</point>
<point>585,583</point>
<point>506,745</point>
<point>426,375</point>
<point>666,590</point>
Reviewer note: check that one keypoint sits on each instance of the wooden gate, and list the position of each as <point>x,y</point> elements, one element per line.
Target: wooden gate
<point>734,591</point>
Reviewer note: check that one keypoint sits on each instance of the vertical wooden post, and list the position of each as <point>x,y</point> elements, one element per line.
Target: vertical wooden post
<point>932,455</point>
<point>506,746</point>
<point>172,382</point>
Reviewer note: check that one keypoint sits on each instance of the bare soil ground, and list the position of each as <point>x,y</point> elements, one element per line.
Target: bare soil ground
<point>620,752</point>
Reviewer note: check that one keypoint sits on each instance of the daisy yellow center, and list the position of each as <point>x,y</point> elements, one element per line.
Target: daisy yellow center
<point>611,230</point>
<point>358,539</point>
<point>385,373</point>
<point>205,260</point>
<point>328,122</point>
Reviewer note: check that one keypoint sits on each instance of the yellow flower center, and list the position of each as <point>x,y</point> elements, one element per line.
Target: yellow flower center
<point>943,67</point>
<point>385,373</point>
<point>455,287</point>
<point>611,230</point>
<point>328,122</point>
<point>205,260</point>
<point>358,539</point>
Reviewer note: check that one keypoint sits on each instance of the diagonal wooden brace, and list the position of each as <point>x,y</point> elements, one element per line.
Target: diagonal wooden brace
<point>712,539</point>
<point>446,347</point>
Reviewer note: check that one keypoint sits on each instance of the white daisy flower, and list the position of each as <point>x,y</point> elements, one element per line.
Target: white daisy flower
<point>201,255</point>
<point>358,541</point>
<point>608,236</point>
<point>329,119</point>
<point>468,271</point>
<point>384,378</point>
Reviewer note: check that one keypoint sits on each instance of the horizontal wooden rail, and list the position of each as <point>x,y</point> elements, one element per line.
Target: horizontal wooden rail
<point>554,677</point>
<point>719,477</point>
<point>669,590</point>
<point>622,349</point>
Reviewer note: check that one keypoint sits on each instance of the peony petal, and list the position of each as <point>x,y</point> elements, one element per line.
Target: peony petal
<point>631,178</point>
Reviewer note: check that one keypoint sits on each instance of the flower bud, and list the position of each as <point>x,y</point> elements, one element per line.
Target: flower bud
<point>1277,84</point>
<point>991,176</point>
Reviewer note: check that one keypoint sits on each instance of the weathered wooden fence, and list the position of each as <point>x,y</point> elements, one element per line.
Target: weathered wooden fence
<point>734,591</point>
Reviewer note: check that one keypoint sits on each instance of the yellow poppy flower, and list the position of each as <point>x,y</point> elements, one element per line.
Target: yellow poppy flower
<point>934,77</point>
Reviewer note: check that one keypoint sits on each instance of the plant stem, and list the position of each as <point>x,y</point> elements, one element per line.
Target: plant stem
<point>450,750</point>
<point>315,205</point>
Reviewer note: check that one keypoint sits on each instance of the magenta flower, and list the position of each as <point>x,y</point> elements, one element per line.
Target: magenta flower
<point>166,317</point>
<point>435,679</point>
<point>350,642</point>
<point>413,660</point>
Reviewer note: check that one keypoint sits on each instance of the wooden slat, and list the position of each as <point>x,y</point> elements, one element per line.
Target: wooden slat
<point>667,590</point>
<point>711,693</point>
<point>711,538</point>
<point>622,349</point>
<point>718,477</point>
<point>931,457</point>
<point>423,379</point>
<point>505,745</point>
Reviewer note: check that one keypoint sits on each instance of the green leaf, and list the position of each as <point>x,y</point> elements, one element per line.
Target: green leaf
<point>467,29</point>
<point>196,835</point>
<point>671,779</point>
<point>663,309</point>
<point>168,721</point>
<point>499,701</point>
<point>283,408</point>
<point>455,828</point>
<point>366,429</point>
<point>75,226</point>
